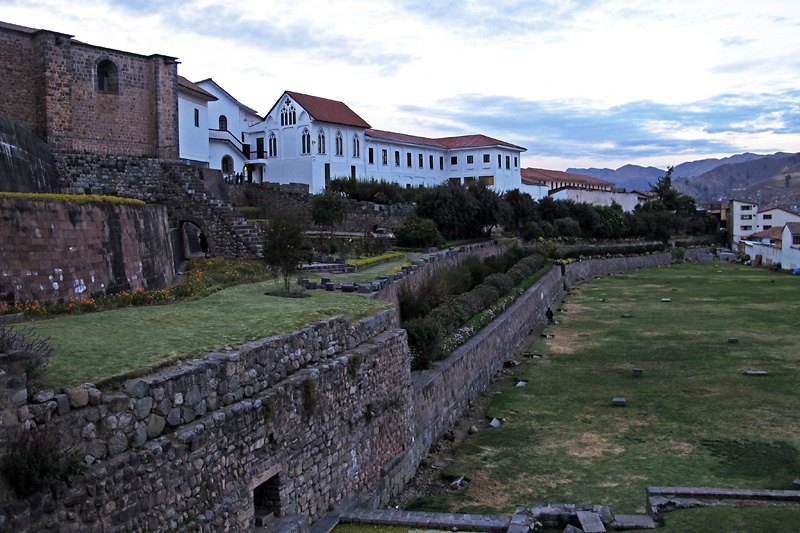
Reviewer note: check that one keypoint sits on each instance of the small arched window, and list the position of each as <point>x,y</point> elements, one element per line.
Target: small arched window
<point>356,147</point>
<point>273,145</point>
<point>227,165</point>
<point>223,123</point>
<point>339,143</point>
<point>107,77</point>
<point>321,141</point>
<point>306,141</point>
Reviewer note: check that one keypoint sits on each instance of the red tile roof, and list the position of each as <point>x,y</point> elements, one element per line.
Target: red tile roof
<point>774,232</point>
<point>475,141</point>
<point>326,110</point>
<point>537,176</point>
<point>794,228</point>
<point>403,138</point>
<point>193,87</point>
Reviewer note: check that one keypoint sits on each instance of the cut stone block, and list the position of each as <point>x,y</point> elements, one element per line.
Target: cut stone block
<point>756,373</point>
<point>590,522</point>
<point>733,340</point>
<point>618,402</point>
<point>666,300</point>
<point>495,423</point>
<point>627,315</point>
<point>637,372</point>
<point>364,288</point>
<point>522,383</point>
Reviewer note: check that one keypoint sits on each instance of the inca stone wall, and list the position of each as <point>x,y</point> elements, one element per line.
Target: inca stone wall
<point>25,163</point>
<point>289,424</point>
<point>180,187</point>
<point>52,251</point>
<point>50,87</point>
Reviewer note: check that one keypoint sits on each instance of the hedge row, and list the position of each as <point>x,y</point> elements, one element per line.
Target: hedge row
<point>595,251</point>
<point>71,198</point>
<point>425,333</point>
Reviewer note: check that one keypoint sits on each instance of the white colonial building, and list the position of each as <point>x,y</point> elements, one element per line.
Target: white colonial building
<point>745,218</point>
<point>311,140</point>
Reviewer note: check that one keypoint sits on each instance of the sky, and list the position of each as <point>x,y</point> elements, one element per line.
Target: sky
<point>578,83</point>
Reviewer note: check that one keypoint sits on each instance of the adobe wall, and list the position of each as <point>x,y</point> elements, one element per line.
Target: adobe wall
<point>53,251</point>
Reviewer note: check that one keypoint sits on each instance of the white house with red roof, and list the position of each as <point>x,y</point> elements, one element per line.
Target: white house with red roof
<point>576,187</point>
<point>775,245</point>
<point>745,218</point>
<point>311,140</point>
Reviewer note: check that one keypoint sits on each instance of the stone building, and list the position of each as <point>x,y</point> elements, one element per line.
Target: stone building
<point>79,97</point>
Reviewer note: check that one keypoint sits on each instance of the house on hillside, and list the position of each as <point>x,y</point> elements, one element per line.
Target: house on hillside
<point>745,219</point>
<point>193,129</point>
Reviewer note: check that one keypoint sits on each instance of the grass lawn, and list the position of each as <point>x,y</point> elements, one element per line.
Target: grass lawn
<point>113,345</point>
<point>693,419</point>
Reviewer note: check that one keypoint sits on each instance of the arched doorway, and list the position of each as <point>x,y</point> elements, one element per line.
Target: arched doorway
<point>195,243</point>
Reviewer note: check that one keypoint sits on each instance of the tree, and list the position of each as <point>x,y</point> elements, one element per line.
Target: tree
<point>492,209</point>
<point>285,245</point>
<point>452,208</point>
<point>328,208</point>
<point>419,233</point>
<point>523,209</point>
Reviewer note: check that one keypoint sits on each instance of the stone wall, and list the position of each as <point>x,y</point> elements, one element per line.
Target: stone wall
<point>53,251</point>
<point>25,162</point>
<point>290,424</point>
<point>51,88</point>
<point>186,449</point>
<point>181,188</point>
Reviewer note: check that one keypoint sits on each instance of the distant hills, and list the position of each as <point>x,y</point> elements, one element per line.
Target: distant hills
<point>748,176</point>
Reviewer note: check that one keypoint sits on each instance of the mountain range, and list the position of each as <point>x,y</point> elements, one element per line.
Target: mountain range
<point>748,176</point>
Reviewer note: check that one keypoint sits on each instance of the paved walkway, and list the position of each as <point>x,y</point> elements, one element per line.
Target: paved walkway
<point>464,522</point>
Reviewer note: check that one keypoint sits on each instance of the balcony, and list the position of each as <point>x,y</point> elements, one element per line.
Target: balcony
<point>226,136</point>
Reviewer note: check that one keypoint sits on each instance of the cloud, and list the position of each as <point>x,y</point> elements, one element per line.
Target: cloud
<point>635,130</point>
<point>736,40</point>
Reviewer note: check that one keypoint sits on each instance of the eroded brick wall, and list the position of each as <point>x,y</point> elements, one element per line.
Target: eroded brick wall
<point>53,251</point>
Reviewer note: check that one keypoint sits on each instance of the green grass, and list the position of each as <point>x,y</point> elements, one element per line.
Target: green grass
<point>114,345</point>
<point>694,419</point>
<point>730,520</point>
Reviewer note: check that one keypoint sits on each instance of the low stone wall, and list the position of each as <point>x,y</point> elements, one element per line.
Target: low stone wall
<point>314,415</point>
<point>104,425</point>
<point>53,251</point>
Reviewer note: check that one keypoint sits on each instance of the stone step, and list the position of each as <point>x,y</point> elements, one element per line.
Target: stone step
<point>590,522</point>
<point>638,521</point>
<point>262,519</point>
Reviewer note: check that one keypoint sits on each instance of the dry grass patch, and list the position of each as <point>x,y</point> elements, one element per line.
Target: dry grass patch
<point>568,342</point>
<point>591,445</point>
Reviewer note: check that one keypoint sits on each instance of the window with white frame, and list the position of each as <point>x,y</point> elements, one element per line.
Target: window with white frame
<point>273,145</point>
<point>470,159</point>
<point>487,158</point>
<point>306,141</point>
<point>321,142</point>
<point>385,156</point>
<point>288,114</point>
<point>339,143</point>
<point>356,146</point>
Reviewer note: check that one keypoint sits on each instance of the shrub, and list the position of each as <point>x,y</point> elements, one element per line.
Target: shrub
<point>33,461</point>
<point>37,352</point>
<point>502,282</point>
<point>418,232</point>
<point>424,337</point>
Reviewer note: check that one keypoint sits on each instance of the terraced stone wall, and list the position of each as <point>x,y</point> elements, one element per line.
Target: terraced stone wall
<point>53,251</point>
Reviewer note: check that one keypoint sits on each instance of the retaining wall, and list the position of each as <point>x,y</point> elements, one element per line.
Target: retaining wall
<point>201,446</point>
<point>53,251</point>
